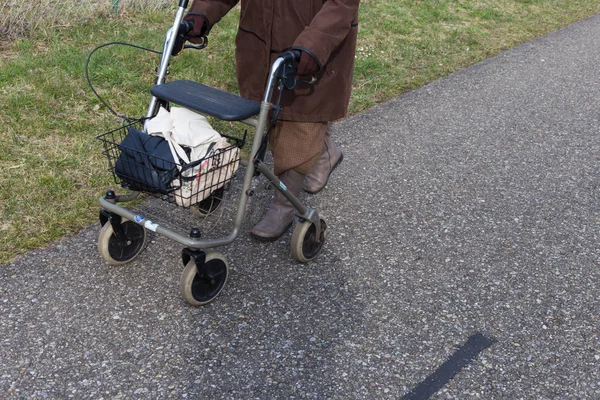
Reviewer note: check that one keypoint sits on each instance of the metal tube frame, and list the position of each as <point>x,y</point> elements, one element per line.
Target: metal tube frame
<point>260,123</point>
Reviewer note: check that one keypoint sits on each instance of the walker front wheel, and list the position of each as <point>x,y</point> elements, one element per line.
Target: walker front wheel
<point>200,284</point>
<point>305,244</point>
<point>120,250</point>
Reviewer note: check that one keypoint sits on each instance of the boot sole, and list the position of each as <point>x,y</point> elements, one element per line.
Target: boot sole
<point>269,238</point>
<point>330,172</point>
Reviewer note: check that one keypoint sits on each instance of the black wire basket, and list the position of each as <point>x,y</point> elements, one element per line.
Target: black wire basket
<point>144,163</point>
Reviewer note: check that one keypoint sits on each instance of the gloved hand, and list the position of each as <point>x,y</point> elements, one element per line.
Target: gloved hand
<point>200,27</point>
<point>307,64</point>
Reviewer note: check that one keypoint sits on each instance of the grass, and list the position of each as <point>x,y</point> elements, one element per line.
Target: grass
<point>51,168</point>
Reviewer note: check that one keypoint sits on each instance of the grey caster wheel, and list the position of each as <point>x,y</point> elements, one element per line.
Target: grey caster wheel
<point>209,205</point>
<point>118,251</point>
<point>199,289</point>
<point>303,243</point>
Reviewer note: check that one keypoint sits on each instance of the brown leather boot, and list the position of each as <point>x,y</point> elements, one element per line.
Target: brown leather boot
<point>330,158</point>
<point>280,215</point>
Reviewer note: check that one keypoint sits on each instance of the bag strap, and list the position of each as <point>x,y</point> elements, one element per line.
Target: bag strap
<point>210,147</point>
<point>177,151</point>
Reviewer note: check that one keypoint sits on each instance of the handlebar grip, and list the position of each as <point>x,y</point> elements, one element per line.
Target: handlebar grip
<point>292,55</point>
<point>185,27</point>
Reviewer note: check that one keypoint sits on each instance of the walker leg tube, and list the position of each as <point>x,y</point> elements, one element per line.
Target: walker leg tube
<point>258,133</point>
<point>260,166</point>
<point>304,213</point>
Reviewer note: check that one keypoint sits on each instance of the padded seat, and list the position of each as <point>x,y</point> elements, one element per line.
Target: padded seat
<point>206,100</point>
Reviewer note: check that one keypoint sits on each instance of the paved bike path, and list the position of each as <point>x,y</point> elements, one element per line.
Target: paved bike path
<point>467,206</point>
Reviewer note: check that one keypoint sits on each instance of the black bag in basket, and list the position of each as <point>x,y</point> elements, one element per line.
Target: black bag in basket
<point>146,163</point>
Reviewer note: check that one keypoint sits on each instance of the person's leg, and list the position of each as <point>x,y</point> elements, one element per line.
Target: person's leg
<point>330,158</point>
<point>296,147</point>
<point>280,215</point>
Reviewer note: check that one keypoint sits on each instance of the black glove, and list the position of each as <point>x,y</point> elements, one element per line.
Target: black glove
<point>307,64</point>
<point>200,27</point>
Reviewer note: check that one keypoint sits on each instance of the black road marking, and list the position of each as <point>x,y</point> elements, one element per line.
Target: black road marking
<point>448,370</point>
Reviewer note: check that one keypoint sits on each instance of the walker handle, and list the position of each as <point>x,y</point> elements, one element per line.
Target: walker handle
<point>182,37</point>
<point>291,55</point>
<point>185,27</point>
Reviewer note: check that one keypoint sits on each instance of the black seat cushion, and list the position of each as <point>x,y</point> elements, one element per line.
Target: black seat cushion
<point>206,100</point>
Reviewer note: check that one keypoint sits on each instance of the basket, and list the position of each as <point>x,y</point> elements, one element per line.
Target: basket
<point>154,172</point>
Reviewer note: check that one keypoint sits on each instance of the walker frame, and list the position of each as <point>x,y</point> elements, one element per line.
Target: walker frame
<point>123,233</point>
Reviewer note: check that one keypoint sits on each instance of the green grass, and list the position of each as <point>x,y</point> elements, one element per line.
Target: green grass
<point>51,168</point>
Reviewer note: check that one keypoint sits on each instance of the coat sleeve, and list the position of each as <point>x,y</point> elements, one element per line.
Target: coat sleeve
<point>328,29</point>
<point>213,10</point>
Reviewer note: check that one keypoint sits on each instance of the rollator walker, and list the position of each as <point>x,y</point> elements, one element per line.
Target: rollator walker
<point>124,233</point>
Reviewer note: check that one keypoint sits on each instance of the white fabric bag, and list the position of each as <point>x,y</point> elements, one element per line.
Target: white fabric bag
<point>213,173</point>
<point>184,129</point>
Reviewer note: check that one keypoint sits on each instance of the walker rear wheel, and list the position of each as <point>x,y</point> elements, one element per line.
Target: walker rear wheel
<point>118,251</point>
<point>303,243</point>
<point>201,284</point>
<point>209,205</point>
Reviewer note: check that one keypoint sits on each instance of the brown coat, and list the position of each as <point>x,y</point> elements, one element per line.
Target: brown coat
<point>325,28</point>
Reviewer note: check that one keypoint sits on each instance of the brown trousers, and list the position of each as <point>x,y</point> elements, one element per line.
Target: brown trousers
<point>297,145</point>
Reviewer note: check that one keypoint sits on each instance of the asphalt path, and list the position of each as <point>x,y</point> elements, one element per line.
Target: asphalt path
<point>465,209</point>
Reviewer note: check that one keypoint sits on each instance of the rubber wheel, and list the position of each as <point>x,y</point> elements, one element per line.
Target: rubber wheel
<point>209,205</point>
<point>116,251</point>
<point>200,289</point>
<point>304,247</point>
